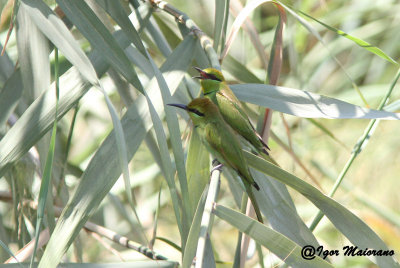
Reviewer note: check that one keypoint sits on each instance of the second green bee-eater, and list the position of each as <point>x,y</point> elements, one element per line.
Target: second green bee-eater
<point>215,88</point>
<point>221,141</point>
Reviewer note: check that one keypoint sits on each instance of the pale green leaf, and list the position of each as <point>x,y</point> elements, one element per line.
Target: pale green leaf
<point>377,51</point>
<point>10,95</point>
<point>55,30</point>
<point>44,188</point>
<point>280,245</point>
<point>278,207</point>
<point>33,54</point>
<point>358,233</point>
<point>221,6</point>
<point>305,104</point>
<point>100,38</point>
<point>38,118</point>
<point>117,12</point>
<point>173,127</point>
<point>9,252</point>
<point>7,67</point>
<point>104,169</point>
<point>197,168</point>
<point>203,258</point>
<point>193,237</point>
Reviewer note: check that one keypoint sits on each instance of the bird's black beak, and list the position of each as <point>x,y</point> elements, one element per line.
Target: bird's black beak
<point>189,110</point>
<point>203,75</point>
<point>182,106</point>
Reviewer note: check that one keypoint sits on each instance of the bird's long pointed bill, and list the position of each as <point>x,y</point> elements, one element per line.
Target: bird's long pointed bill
<point>182,106</point>
<point>203,74</point>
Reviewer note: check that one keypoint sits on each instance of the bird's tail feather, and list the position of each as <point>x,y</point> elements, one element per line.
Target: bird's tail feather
<point>254,202</point>
<point>262,141</point>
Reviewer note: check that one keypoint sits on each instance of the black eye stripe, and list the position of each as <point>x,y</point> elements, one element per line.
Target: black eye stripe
<point>213,77</point>
<point>192,110</point>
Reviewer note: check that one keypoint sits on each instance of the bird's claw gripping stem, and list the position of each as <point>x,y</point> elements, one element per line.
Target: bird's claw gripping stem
<point>216,165</point>
<point>215,162</point>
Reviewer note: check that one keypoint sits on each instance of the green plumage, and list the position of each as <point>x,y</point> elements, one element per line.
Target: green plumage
<point>221,141</point>
<point>216,89</point>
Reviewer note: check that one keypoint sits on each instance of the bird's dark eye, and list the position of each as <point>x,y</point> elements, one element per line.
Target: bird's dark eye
<point>192,110</point>
<point>213,77</point>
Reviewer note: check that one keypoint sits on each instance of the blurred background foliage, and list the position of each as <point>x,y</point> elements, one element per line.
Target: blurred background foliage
<point>323,146</point>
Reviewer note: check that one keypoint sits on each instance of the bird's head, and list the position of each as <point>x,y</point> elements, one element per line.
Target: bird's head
<point>210,79</point>
<point>200,110</point>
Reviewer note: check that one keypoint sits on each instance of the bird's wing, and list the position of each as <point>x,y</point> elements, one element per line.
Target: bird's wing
<point>231,98</point>
<point>226,147</point>
<point>224,144</point>
<point>233,102</point>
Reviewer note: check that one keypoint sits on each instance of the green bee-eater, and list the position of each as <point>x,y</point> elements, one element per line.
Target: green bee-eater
<point>221,141</point>
<point>215,88</point>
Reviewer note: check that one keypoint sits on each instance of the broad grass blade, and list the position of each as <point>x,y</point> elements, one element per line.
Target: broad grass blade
<point>104,168</point>
<point>365,45</point>
<point>305,104</point>
<point>10,95</point>
<point>197,168</point>
<point>100,38</point>
<point>280,245</point>
<point>358,233</point>
<point>56,31</point>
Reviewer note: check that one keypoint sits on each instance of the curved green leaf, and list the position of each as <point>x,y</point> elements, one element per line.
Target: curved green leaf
<point>197,168</point>
<point>193,237</point>
<point>358,233</point>
<point>33,53</point>
<point>305,104</point>
<point>377,51</point>
<point>38,118</point>
<point>10,95</point>
<point>277,205</point>
<point>280,245</point>
<point>118,13</point>
<point>56,31</point>
<point>100,38</point>
<point>104,169</point>
<point>221,15</point>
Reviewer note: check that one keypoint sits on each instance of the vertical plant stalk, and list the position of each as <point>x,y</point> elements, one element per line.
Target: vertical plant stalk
<point>244,247</point>
<point>220,16</point>
<point>67,149</point>
<point>156,217</point>
<point>206,221</point>
<point>239,244</point>
<point>225,25</point>
<point>274,66</point>
<point>362,142</point>
<point>46,179</point>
